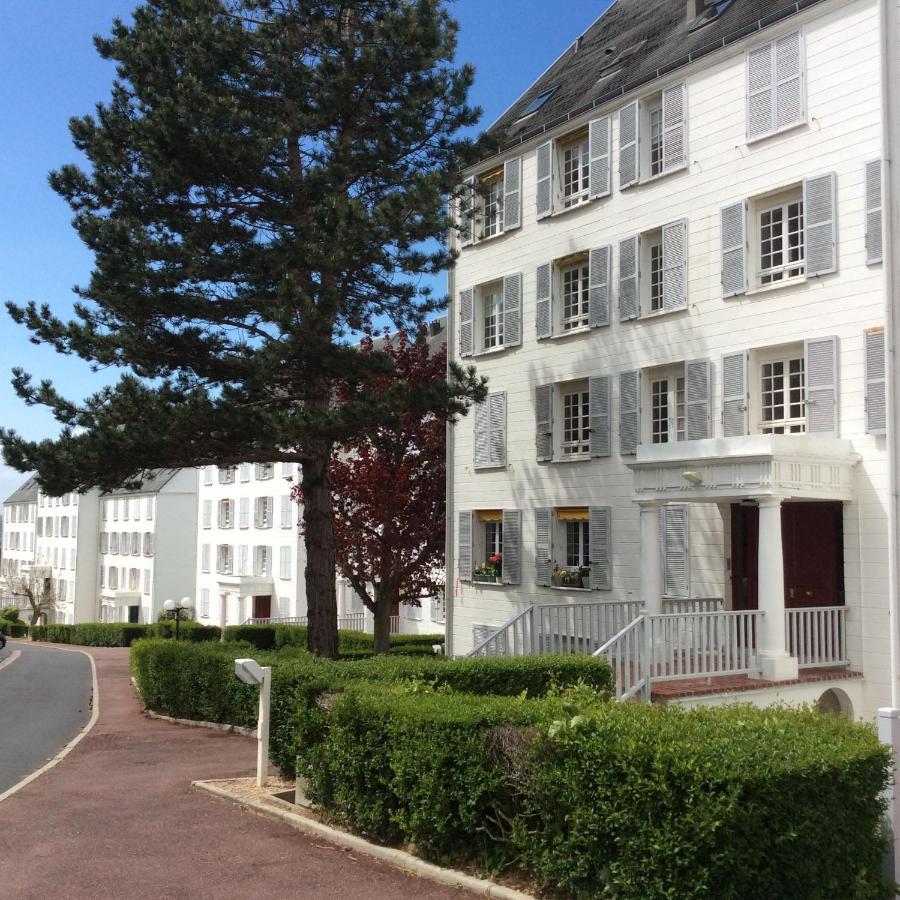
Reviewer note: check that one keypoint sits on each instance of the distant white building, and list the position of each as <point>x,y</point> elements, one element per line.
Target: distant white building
<point>19,516</point>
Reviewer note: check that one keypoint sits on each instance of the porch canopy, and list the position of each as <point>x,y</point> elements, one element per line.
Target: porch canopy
<point>765,469</point>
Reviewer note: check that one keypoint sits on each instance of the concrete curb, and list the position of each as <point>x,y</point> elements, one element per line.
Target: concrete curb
<point>193,723</point>
<point>399,858</point>
<point>11,658</point>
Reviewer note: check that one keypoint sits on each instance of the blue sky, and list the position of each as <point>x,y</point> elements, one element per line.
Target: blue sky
<point>52,72</point>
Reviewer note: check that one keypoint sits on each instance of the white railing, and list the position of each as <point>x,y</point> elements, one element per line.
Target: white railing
<point>626,653</point>
<point>351,622</point>
<point>817,636</point>
<point>692,604</point>
<point>512,638</point>
<point>395,625</point>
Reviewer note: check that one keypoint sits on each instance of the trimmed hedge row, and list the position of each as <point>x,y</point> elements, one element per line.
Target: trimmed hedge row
<point>120,634</point>
<point>13,629</point>
<point>274,637</point>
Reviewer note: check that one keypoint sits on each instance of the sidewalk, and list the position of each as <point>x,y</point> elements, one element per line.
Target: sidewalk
<point>118,818</point>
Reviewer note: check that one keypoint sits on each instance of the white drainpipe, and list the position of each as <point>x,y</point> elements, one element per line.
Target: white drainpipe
<point>449,565</point>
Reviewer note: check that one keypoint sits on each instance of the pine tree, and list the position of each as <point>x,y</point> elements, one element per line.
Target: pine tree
<point>268,178</point>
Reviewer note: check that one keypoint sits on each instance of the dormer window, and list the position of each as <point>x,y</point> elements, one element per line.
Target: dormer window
<point>702,12</point>
<point>538,102</point>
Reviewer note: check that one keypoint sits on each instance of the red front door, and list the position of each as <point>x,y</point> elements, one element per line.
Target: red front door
<point>744,556</point>
<point>813,538</point>
<point>262,607</point>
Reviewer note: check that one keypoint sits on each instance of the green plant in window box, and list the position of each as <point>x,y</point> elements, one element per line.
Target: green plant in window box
<point>490,572</point>
<point>570,578</point>
<point>584,573</point>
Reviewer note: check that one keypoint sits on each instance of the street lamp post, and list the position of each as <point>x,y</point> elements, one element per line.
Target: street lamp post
<point>178,607</point>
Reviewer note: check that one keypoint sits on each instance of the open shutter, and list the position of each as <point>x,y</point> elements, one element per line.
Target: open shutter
<point>629,412</point>
<point>545,179</point>
<point>600,530</point>
<point>821,230</point>
<point>466,324</point>
<point>464,549</point>
<point>599,136</point>
<point>512,193</point>
<point>676,559</point>
<point>821,386</point>
<point>598,286</point>
<point>512,543</point>
<point>734,249</point>
<point>760,92</point>
<point>734,394</point>
<point>629,272</point>
<point>788,81</point>
<point>599,389</point>
<point>697,375</point>
<point>497,420</point>
<point>876,400</point>
<point>467,213</point>
<point>543,546</point>
<point>629,159</point>
<point>874,221</point>
<point>512,310</point>
<point>543,415</point>
<point>674,249</point>
<point>544,305</point>
<point>674,106</point>
<point>482,433</point>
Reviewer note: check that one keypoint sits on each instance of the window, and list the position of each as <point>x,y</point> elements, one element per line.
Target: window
<point>146,589</point>
<point>125,543</point>
<point>243,555</point>
<point>246,470</point>
<point>224,559</point>
<point>39,526</point>
<point>572,419</point>
<point>204,557</point>
<point>106,510</point>
<point>663,117</point>
<point>578,544</point>
<point>775,99</point>
<point>208,474</point>
<point>575,166</point>
<point>575,295</point>
<point>490,316</point>
<point>134,583</point>
<point>204,603</point>
<point>653,271</point>
<point>783,397</point>
<point>705,11</point>
<point>136,543</point>
<point>113,578</point>
<point>667,409</point>
<point>490,431</point>
<point>492,205</point>
<point>288,516</point>
<point>781,242</point>
<point>102,577</point>
<point>244,512</point>
<point>656,276</point>
<point>493,539</point>
<point>126,508</point>
<point>284,563</point>
<point>114,542</point>
<point>492,305</point>
<point>148,543</point>
<point>262,562</point>
<point>148,509</point>
<point>486,549</point>
<point>226,514</point>
<point>226,475</point>
<point>656,140</point>
<point>576,419</point>
<point>265,471</point>
<point>264,512</point>
<point>538,102</point>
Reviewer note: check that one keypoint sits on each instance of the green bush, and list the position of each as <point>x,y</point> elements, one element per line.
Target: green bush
<point>91,634</point>
<point>262,637</point>
<point>9,614</point>
<point>188,630</point>
<point>13,629</point>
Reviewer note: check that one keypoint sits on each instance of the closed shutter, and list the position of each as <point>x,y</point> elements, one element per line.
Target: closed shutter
<point>243,559</point>
<point>821,231</point>
<point>821,386</point>
<point>497,423</point>
<point>512,193</point>
<point>204,558</point>
<point>697,376</point>
<point>544,301</point>
<point>760,93</point>
<point>464,548</point>
<point>543,546</point>
<point>876,400</point>
<point>674,106</point>
<point>284,563</point>
<point>674,248</point>
<point>599,389</point>
<point>512,544</point>
<point>676,559</point>
<point>874,221</point>
<point>543,419</point>
<point>629,412</point>
<point>512,310</point>
<point>467,213</point>
<point>244,512</point>
<point>482,433</point>
<point>788,81</point>
<point>207,513</point>
<point>734,249</point>
<point>544,179</point>
<point>629,273</point>
<point>466,323</point>
<point>734,394</point>
<point>629,159</point>
<point>599,135</point>
<point>286,504</point>
<point>600,526</point>
<point>598,286</point>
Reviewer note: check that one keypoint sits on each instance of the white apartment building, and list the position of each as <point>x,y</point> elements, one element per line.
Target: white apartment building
<point>19,517</point>
<point>147,546</point>
<point>673,276</point>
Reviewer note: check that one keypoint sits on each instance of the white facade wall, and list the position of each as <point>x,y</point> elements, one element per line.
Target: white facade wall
<point>842,130</point>
<point>18,537</point>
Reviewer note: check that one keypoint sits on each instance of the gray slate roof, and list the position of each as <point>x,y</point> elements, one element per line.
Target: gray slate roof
<point>153,484</point>
<point>28,492</point>
<point>663,24</point>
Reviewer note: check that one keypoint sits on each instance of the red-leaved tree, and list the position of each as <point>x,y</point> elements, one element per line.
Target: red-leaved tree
<point>388,487</point>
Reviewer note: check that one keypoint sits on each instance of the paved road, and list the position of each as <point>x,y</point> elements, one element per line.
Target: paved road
<point>45,700</point>
<point>117,818</point>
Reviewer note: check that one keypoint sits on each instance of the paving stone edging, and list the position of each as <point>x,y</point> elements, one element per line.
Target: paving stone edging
<point>390,855</point>
<point>194,723</point>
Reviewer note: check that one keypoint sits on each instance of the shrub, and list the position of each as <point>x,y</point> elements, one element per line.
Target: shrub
<point>262,637</point>
<point>90,634</point>
<point>13,629</point>
<point>189,630</point>
<point>9,614</point>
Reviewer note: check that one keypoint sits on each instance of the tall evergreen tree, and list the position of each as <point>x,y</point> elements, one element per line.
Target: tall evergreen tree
<point>268,178</point>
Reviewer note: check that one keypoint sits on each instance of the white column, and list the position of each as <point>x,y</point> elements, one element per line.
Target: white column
<point>889,733</point>
<point>771,645</point>
<point>651,560</point>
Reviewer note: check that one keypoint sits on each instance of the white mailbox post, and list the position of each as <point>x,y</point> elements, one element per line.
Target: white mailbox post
<point>251,672</point>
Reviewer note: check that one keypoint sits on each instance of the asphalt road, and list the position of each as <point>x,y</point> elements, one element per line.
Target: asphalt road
<point>45,700</point>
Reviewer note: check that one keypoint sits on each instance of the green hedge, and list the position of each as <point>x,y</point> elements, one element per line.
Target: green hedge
<point>350,643</point>
<point>120,634</point>
<point>13,629</point>
<point>9,613</point>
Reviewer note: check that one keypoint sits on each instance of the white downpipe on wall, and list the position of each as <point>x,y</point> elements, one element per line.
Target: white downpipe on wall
<point>450,515</point>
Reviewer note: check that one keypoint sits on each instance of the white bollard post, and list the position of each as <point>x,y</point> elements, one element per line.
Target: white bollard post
<point>889,733</point>
<point>262,731</point>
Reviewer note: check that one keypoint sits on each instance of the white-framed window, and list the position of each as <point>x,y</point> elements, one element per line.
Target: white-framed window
<point>655,121</point>
<point>114,542</point>
<point>492,316</point>
<point>667,406</point>
<point>575,284</point>
<point>136,543</point>
<point>102,577</point>
<point>653,136</point>
<point>782,246</point>
<point>265,471</point>
<point>226,514</point>
<point>134,580</point>
<point>775,89</point>
<point>264,506</point>
<point>208,474</point>
<point>243,560</point>
<point>72,557</point>
<point>262,561</point>
<point>575,171</point>
<point>205,554</point>
<point>492,204</point>
<point>576,422</point>
<point>125,543</point>
<point>287,512</point>
<point>226,475</point>
<point>656,274</point>
<point>284,562</point>
<point>783,395</point>
<point>244,512</point>
<point>246,471</point>
<point>578,543</point>
<point>126,508</point>
<point>204,603</point>
<point>148,508</point>
<point>146,588</point>
<point>148,543</point>
<point>115,510</point>
<point>653,271</point>
<point>224,559</point>
<point>207,513</point>
<point>113,578</point>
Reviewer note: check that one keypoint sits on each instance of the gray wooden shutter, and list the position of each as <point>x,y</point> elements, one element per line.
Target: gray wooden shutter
<point>497,421</point>
<point>512,546</point>
<point>822,386</point>
<point>697,376</point>
<point>467,213</point>
<point>629,150</point>
<point>464,548</point>
<point>734,394</point>
<point>734,249</point>
<point>543,414</point>
<point>821,228</point>
<point>874,220</point>
<point>788,81</point>
<point>676,556</point>
<point>466,321</point>
<point>600,532</point>
<point>543,546</point>
<point>674,249</point>
<point>629,412</point>
<point>674,107</point>
<point>599,135</point>
<point>760,92</point>
<point>629,276</point>
<point>876,399</point>
<point>512,310</point>
<point>544,301</point>
<point>544,179</point>
<point>599,389</point>
<point>598,286</point>
<point>482,433</point>
<point>512,193</point>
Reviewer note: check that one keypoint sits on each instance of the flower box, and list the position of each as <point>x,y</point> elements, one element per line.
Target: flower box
<point>487,579</point>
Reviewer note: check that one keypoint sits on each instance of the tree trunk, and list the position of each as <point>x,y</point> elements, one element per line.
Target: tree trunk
<point>318,529</point>
<point>383,605</point>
